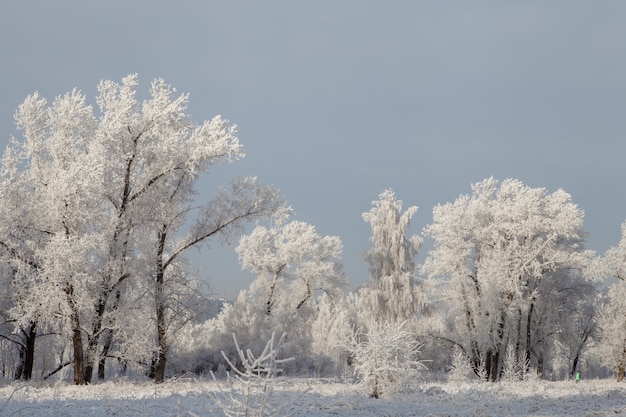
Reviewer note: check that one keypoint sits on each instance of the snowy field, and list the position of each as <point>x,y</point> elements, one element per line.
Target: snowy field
<point>193,398</point>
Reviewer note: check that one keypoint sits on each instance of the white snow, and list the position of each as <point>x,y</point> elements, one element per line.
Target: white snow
<point>317,398</point>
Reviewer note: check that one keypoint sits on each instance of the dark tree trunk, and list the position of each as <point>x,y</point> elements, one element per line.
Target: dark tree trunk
<point>621,367</point>
<point>529,329</point>
<point>540,367</point>
<point>24,369</point>
<point>77,339</point>
<point>471,326</point>
<point>108,341</point>
<point>579,350</point>
<point>270,297</point>
<point>488,364</point>
<point>500,345</point>
<point>492,364</point>
<point>158,368</point>
<point>161,356</point>
<point>518,343</point>
<point>308,294</point>
<point>496,367</point>
<point>77,344</point>
<point>103,359</point>
<point>94,338</point>
<point>574,366</point>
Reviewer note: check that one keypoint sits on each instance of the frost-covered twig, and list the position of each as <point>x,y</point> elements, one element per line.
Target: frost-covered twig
<point>249,389</point>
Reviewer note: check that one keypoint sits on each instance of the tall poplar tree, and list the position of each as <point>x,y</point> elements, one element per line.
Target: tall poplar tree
<point>392,295</point>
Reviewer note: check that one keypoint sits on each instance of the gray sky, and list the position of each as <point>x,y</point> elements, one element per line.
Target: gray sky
<point>338,100</point>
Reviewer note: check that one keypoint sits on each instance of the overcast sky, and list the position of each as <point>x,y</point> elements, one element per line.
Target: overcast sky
<point>338,100</point>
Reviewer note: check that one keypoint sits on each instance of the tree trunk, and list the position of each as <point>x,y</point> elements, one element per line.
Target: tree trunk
<point>270,297</point>
<point>308,294</point>
<point>488,364</point>
<point>92,346</point>
<point>495,357</point>
<point>471,326</point>
<point>161,356</point>
<point>77,339</point>
<point>492,364</point>
<point>518,343</point>
<point>103,358</point>
<point>540,367</point>
<point>574,366</point>
<point>579,350</point>
<point>102,362</point>
<point>108,340</point>
<point>77,344</point>
<point>529,329</point>
<point>24,369</point>
<point>159,366</point>
<point>94,338</point>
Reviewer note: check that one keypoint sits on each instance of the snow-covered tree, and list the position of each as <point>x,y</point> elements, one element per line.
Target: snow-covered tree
<point>295,258</point>
<point>499,257</point>
<point>615,258</point>
<point>293,265</point>
<point>385,357</point>
<point>108,196</point>
<point>611,322</point>
<point>331,325</point>
<point>247,199</point>
<point>461,368</point>
<point>563,324</point>
<point>611,317</point>
<point>392,294</point>
<point>50,245</point>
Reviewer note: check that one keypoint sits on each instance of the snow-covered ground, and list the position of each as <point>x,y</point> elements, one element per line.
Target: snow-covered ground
<point>319,398</point>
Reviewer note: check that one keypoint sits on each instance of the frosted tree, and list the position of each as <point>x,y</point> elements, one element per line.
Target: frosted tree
<point>50,245</point>
<point>293,255</point>
<point>611,322</point>
<point>611,319</point>
<point>385,357</point>
<point>18,247</point>
<point>461,368</point>
<point>392,295</point>
<point>331,325</point>
<point>161,156</point>
<point>292,263</point>
<point>498,255</point>
<point>247,199</point>
<point>615,258</point>
<point>515,368</point>
<point>564,324</point>
<point>108,197</point>
<point>20,338</point>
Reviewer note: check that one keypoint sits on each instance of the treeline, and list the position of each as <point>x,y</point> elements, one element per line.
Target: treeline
<point>98,214</point>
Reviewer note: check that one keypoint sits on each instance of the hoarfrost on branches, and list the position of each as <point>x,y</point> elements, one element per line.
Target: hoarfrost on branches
<point>611,317</point>
<point>503,258</point>
<point>385,358</point>
<point>248,392</point>
<point>108,196</point>
<point>392,294</point>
